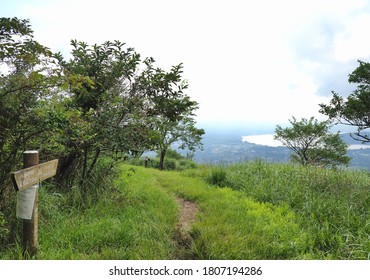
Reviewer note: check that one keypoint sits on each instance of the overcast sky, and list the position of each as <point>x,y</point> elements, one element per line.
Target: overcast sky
<point>257,63</point>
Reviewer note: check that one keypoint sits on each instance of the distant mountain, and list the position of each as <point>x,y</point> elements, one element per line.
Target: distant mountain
<point>227,147</point>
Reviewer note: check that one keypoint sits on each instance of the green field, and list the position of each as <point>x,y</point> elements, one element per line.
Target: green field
<point>253,210</point>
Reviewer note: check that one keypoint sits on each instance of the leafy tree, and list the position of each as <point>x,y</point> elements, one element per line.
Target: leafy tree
<point>28,77</point>
<point>101,102</point>
<point>170,112</point>
<point>355,110</point>
<point>170,132</point>
<point>101,108</point>
<point>174,154</point>
<point>312,144</point>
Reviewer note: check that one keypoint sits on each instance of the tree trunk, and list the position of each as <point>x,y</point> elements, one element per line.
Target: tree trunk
<point>66,168</point>
<point>161,160</point>
<point>97,153</point>
<point>84,170</point>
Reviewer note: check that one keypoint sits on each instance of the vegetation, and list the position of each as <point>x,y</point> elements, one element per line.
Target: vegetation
<point>94,109</point>
<point>174,161</point>
<point>230,226</point>
<point>311,143</point>
<point>105,105</point>
<point>263,211</point>
<point>107,228</point>
<point>332,206</point>
<point>355,111</point>
<point>233,226</point>
<point>28,76</point>
<point>105,102</point>
<point>171,112</point>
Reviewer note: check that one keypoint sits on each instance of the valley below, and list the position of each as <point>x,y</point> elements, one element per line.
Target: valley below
<point>228,147</point>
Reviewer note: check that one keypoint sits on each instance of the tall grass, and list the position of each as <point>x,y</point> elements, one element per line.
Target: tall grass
<point>233,226</point>
<point>132,220</point>
<point>3,229</point>
<point>253,210</point>
<point>333,205</point>
<point>136,220</point>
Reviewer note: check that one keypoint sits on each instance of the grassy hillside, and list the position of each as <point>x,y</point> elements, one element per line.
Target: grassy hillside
<point>246,211</point>
<point>333,206</point>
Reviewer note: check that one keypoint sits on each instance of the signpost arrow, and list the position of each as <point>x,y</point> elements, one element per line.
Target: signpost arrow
<point>28,177</point>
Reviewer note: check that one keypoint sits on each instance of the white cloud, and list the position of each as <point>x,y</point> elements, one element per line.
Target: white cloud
<point>253,61</point>
<point>352,43</point>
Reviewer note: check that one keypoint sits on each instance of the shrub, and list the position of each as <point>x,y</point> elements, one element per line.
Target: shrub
<point>170,163</point>
<point>217,177</point>
<point>185,164</point>
<point>173,154</point>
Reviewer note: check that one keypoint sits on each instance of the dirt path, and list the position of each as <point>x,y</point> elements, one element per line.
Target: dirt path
<point>182,238</point>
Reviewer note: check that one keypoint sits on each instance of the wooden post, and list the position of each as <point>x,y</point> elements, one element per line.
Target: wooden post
<point>26,182</point>
<point>30,227</point>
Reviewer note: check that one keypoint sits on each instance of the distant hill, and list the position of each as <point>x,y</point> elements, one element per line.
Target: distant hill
<point>226,147</point>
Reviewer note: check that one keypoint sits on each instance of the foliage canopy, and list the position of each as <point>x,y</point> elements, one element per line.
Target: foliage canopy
<point>311,143</point>
<point>355,110</point>
<point>103,102</point>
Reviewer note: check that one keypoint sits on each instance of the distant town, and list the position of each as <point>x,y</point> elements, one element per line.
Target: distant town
<point>232,146</point>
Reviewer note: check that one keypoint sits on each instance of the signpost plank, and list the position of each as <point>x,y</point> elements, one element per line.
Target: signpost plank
<point>27,177</point>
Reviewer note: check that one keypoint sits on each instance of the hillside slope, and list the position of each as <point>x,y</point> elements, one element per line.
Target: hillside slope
<point>138,220</point>
<point>265,213</point>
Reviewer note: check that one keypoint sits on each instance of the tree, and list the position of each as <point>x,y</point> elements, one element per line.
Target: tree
<point>170,112</point>
<point>101,102</point>
<point>100,105</point>
<point>312,144</point>
<point>355,111</point>
<point>28,77</point>
<point>169,132</point>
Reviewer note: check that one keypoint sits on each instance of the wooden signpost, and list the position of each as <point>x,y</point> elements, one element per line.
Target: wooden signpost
<point>26,182</point>
<point>33,175</point>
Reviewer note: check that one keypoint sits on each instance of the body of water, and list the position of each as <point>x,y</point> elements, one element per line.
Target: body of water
<point>268,140</point>
<point>263,139</point>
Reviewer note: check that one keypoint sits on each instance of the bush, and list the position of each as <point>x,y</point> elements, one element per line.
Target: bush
<point>185,164</point>
<point>174,154</point>
<point>169,163</point>
<point>217,177</point>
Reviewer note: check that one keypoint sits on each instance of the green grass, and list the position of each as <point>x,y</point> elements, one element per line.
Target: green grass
<point>134,220</point>
<point>333,206</point>
<point>232,226</point>
<point>246,211</point>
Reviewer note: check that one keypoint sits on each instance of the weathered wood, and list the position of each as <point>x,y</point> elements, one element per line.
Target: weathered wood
<point>27,177</point>
<point>32,174</point>
<point>30,227</point>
